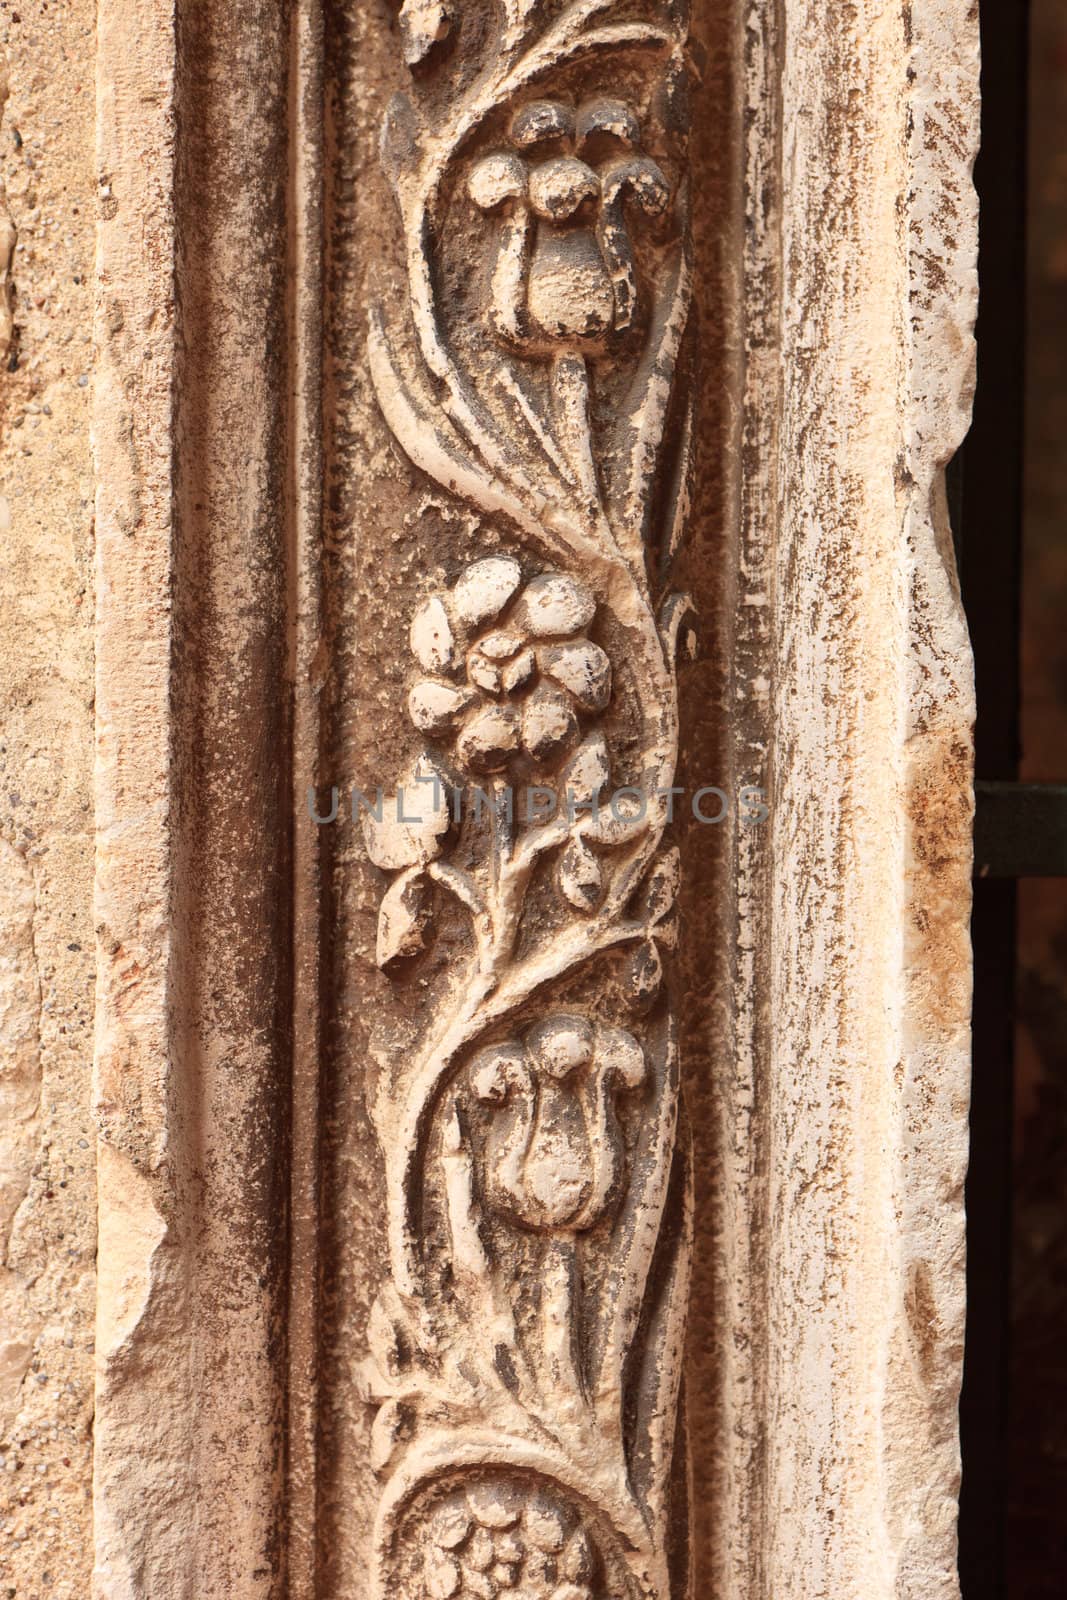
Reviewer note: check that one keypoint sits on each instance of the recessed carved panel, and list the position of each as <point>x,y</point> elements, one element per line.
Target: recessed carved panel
<point>526,1353</point>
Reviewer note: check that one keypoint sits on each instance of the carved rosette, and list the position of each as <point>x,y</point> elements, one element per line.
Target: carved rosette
<point>526,1354</point>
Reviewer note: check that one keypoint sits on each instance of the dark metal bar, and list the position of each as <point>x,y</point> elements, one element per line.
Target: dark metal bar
<point>1020,830</point>
<point>987,495</point>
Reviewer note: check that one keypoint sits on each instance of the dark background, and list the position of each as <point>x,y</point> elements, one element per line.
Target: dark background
<point>1037,1409</point>
<point>1008,491</point>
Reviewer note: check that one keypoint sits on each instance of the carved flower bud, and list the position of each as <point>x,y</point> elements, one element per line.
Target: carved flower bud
<point>561,1045</point>
<point>485,589</point>
<point>612,119</point>
<point>549,724</point>
<point>495,180</point>
<point>620,1054</point>
<point>541,120</point>
<point>556,605</point>
<point>489,738</point>
<point>494,1073</point>
<point>560,188</point>
<point>581,668</point>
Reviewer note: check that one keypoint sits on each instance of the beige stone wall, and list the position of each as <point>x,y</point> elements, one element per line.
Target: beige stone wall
<point>47,1138</point>
<point>268,518</point>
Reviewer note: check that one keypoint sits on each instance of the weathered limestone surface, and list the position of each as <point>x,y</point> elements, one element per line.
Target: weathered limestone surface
<point>406,1284</point>
<point>47,1163</point>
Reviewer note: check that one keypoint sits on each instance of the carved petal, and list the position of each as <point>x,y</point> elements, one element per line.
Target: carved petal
<point>645,976</point>
<point>494,1505</point>
<point>549,724</point>
<point>443,1576</point>
<point>485,589</point>
<point>556,605</point>
<point>519,672</point>
<point>620,821</point>
<point>385,1435</point>
<point>491,735</point>
<point>435,707</point>
<point>582,668</point>
<point>431,636</point>
<point>661,886</point>
<point>450,1523</point>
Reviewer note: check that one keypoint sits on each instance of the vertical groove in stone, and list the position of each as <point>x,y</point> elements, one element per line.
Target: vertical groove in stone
<point>195,802</point>
<point>233,720</point>
<point>308,646</point>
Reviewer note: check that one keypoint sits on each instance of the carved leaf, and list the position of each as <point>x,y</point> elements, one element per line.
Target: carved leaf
<point>620,821</point>
<point>660,890</point>
<point>385,1435</point>
<point>581,880</point>
<point>404,917</point>
<point>588,771</point>
<point>423,23</point>
<point>413,823</point>
<point>644,976</point>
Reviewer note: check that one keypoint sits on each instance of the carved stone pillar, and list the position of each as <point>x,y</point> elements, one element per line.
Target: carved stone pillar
<point>532,798</point>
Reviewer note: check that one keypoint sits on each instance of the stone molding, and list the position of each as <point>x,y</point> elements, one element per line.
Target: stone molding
<point>295,1399</point>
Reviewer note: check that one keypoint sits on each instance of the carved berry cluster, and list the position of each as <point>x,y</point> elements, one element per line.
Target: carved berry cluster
<point>488,1542</point>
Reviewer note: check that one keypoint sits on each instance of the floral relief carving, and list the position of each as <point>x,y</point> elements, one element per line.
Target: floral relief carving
<point>526,1351</point>
<point>566,192</point>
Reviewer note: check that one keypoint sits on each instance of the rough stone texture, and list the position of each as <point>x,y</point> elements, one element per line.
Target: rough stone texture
<point>866,1124</point>
<point>47,1167</point>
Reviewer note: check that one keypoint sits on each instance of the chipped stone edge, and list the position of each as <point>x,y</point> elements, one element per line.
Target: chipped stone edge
<point>867,1062</point>
<point>141,1459</point>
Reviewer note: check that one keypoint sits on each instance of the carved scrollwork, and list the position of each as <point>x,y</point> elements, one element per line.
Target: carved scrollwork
<point>526,1353</point>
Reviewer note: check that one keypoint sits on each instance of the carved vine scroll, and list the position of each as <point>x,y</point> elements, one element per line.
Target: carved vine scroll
<point>526,1354</point>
